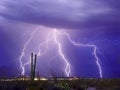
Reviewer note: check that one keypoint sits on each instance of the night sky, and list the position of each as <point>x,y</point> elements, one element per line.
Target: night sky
<point>86,21</point>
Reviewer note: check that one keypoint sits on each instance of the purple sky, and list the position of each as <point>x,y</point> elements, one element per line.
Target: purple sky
<point>85,20</point>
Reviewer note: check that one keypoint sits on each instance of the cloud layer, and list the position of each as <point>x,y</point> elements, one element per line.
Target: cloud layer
<point>55,11</point>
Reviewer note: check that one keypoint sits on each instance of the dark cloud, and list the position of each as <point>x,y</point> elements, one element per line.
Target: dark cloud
<point>78,14</point>
<point>67,13</point>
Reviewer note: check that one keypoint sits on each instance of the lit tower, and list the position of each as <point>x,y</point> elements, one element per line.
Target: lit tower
<point>33,65</point>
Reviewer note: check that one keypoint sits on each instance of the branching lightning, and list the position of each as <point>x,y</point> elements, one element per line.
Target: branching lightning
<point>87,45</point>
<point>22,65</point>
<point>23,52</point>
<point>55,38</point>
<point>67,69</point>
<point>45,44</point>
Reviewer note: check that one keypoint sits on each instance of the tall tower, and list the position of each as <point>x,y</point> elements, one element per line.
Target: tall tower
<point>33,65</point>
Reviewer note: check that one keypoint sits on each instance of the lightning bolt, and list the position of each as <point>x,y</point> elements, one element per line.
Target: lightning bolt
<point>87,45</point>
<point>22,65</point>
<point>55,38</point>
<point>23,52</point>
<point>67,69</point>
<point>45,44</point>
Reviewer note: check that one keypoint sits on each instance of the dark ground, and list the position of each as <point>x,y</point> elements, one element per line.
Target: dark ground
<point>81,84</point>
